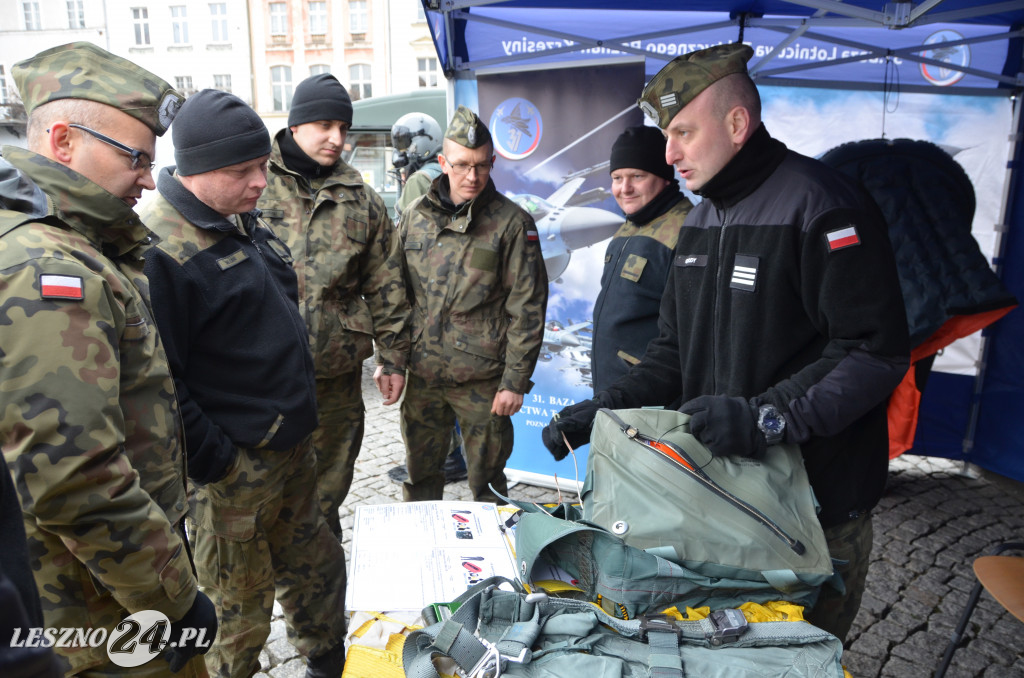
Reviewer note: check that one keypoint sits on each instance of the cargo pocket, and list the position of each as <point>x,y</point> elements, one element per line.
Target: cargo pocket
<point>479,349</point>
<point>228,548</point>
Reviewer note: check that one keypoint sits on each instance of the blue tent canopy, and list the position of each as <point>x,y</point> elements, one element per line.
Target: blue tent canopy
<point>958,46</point>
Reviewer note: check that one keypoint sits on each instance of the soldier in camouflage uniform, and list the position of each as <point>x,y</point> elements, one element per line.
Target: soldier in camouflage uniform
<point>639,256</point>
<point>91,428</point>
<point>348,260</point>
<point>224,296</point>
<point>479,292</point>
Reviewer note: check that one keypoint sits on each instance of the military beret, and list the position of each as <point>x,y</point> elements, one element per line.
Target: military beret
<point>467,129</point>
<point>81,70</point>
<point>686,76</point>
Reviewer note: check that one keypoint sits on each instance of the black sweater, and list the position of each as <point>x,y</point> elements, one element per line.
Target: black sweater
<point>226,307</point>
<point>784,290</point>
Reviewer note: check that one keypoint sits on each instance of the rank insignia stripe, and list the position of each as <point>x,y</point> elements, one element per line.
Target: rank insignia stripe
<point>744,273</point>
<point>843,237</point>
<point>53,286</point>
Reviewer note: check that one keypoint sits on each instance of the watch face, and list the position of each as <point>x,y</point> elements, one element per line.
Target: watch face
<point>771,421</point>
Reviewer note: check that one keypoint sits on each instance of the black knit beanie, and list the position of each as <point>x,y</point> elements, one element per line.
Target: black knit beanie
<point>641,148</point>
<point>215,129</point>
<point>320,97</point>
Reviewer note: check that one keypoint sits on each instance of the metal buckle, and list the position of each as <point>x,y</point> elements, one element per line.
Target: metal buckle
<point>489,665</point>
<point>660,623</point>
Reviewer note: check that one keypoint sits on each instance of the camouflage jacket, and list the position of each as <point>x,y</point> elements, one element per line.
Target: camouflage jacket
<point>90,424</point>
<point>349,263</point>
<point>417,184</point>
<point>478,289</point>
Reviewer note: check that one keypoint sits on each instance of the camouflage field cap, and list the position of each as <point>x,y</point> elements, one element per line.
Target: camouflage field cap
<point>81,70</point>
<point>467,129</point>
<point>686,76</point>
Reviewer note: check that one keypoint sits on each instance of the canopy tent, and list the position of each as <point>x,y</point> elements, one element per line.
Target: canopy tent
<point>947,46</point>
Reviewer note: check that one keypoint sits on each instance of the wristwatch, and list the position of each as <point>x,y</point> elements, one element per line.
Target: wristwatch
<point>771,423</point>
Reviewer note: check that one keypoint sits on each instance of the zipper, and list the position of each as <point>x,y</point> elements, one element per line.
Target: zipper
<point>678,458</point>
<point>717,291</point>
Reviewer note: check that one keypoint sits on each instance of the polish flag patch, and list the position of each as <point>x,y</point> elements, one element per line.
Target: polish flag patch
<point>61,287</point>
<point>844,237</point>
<point>532,236</point>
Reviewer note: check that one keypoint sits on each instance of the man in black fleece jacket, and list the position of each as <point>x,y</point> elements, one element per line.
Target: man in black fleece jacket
<point>224,296</point>
<point>782,320</point>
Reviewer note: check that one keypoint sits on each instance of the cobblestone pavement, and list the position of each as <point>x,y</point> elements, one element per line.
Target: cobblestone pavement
<point>934,519</point>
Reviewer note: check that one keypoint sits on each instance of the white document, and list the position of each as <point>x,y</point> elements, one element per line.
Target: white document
<point>406,556</point>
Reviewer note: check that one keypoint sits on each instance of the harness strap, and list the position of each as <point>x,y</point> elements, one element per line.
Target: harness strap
<point>664,659</point>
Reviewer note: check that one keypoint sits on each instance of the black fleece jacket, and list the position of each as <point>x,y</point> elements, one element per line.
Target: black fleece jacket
<point>226,307</point>
<point>784,290</point>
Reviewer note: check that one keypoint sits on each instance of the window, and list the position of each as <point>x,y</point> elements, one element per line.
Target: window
<point>140,19</point>
<point>179,24</point>
<point>183,83</point>
<point>76,14</point>
<point>319,69</point>
<point>278,18</point>
<point>281,84</point>
<point>427,69</point>
<point>318,18</point>
<point>3,85</point>
<point>222,82</point>
<point>31,13</point>
<point>359,82</point>
<point>421,15</point>
<point>358,20</point>
<point>219,22</point>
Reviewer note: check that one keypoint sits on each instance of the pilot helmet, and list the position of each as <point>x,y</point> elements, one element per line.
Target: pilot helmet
<point>416,138</point>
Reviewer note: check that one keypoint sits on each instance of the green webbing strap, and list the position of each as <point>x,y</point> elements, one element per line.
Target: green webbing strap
<point>520,637</point>
<point>454,637</point>
<point>664,659</point>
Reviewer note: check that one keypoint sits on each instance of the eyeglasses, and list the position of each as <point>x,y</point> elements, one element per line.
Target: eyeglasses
<point>140,159</point>
<point>461,168</point>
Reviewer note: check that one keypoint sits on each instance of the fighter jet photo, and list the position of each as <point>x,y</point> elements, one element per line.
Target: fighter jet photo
<point>564,227</point>
<point>558,337</point>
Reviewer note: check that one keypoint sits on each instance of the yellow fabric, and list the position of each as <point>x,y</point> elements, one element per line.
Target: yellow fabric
<point>555,586</point>
<point>776,610</point>
<point>369,662</point>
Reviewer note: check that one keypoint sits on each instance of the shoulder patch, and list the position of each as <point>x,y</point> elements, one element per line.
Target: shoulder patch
<point>841,238</point>
<point>61,287</point>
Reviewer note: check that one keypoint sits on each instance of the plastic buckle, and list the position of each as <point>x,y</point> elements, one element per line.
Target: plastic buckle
<point>659,623</point>
<point>489,665</point>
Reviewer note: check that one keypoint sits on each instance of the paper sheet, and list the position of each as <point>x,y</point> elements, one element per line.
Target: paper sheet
<point>406,556</point>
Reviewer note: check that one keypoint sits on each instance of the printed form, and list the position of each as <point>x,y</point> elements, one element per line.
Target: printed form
<point>406,556</point>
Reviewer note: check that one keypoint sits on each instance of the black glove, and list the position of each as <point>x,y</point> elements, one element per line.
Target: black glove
<point>575,421</point>
<point>726,426</point>
<point>201,616</point>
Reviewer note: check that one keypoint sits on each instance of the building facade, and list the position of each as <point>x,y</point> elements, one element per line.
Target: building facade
<point>256,49</point>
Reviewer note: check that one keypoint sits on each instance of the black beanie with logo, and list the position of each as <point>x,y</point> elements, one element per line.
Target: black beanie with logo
<point>320,97</point>
<point>641,148</point>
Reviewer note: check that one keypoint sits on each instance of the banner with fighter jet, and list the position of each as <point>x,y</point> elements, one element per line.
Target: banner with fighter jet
<point>553,132</point>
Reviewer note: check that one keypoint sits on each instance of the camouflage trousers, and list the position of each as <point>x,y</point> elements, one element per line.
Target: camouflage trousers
<point>257,534</point>
<point>337,441</point>
<point>850,544</point>
<point>428,419</point>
